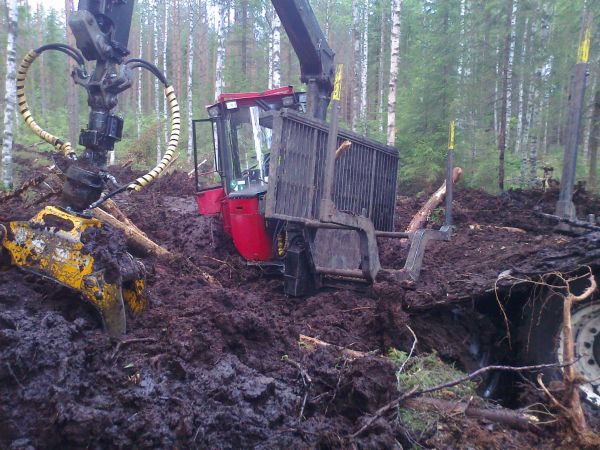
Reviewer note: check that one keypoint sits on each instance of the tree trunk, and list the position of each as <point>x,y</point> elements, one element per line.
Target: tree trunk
<point>139,77</point>
<point>164,69</point>
<point>276,41</point>
<point>72,93</point>
<point>42,62</point>
<point>190,80</point>
<point>156,85</point>
<point>364,66</point>
<point>503,112</point>
<point>10,97</point>
<point>394,64</point>
<point>176,45</point>
<point>509,73</point>
<point>594,138</point>
<point>380,79</point>
<point>220,61</point>
<point>356,60</point>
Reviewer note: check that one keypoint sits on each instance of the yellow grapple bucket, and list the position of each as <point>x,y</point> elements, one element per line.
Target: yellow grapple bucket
<point>50,244</point>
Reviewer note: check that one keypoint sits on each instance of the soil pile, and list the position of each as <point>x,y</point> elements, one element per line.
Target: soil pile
<point>223,368</point>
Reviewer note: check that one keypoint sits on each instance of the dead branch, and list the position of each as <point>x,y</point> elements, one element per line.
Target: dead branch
<point>570,376</point>
<point>32,182</point>
<point>127,163</point>
<point>311,341</point>
<point>130,341</point>
<point>191,172</point>
<point>306,380</point>
<point>343,148</point>
<point>476,226</point>
<point>419,219</point>
<point>412,349</point>
<point>415,392</point>
<point>169,166</point>
<point>514,419</point>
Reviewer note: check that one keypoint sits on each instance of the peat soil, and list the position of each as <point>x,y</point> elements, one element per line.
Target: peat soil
<point>205,367</point>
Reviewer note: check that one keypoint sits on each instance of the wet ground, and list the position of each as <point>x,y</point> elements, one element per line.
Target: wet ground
<point>206,367</point>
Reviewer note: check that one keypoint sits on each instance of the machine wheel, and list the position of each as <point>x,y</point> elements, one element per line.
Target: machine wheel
<point>541,340</point>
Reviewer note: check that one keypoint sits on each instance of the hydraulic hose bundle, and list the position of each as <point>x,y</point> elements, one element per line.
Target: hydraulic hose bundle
<point>62,146</point>
<point>66,147</point>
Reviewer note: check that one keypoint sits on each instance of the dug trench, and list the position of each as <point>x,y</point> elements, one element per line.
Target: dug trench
<point>211,367</point>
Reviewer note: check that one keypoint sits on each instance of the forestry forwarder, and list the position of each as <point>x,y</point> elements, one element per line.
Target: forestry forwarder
<point>65,242</point>
<point>297,195</point>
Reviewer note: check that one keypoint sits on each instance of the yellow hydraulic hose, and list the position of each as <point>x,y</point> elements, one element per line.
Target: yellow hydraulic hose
<point>145,180</point>
<point>59,144</point>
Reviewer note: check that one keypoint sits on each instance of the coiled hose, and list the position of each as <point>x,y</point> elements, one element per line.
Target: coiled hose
<point>62,146</point>
<point>145,180</point>
<point>66,148</point>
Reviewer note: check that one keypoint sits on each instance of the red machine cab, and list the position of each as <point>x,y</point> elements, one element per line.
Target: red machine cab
<point>241,142</point>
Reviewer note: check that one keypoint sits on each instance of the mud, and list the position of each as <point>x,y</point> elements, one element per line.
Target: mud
<point>223,368</point>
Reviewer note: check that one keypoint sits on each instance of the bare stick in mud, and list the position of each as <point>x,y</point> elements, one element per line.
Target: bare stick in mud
<point>120,344</point>
<point>311,341</point>
<point>419,219</point>
<point>306,380</point>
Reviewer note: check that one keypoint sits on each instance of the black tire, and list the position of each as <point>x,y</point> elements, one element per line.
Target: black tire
<point>538,338</point>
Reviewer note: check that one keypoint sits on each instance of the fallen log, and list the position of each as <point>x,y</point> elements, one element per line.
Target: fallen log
<point>504,416</point>
<point>111,207</point>
<point>311,341</point>
<point>136,237</point>
<point>419,219</point>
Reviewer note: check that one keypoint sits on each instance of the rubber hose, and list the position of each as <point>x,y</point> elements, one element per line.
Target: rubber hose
<point>59,144</point>
<point>145,180</point>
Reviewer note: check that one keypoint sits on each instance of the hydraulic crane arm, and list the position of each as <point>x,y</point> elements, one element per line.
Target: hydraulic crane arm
<point>313,51</point>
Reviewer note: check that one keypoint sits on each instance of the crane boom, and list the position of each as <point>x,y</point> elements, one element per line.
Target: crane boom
<point>315,56</point>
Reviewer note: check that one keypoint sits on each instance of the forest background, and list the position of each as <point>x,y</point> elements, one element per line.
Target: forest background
<point>499,68</point>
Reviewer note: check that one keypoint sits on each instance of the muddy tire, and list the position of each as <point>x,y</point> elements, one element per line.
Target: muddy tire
<point>540,339</point>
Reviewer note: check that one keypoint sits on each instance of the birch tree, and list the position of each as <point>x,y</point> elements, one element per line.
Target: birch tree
<point>364,65</point>
<point>504,93</point>
<point>356,52</point>
<point>164,67</point>
<point>220,60</point>
<point>190,77</point>
<point>139,75</point>
<point>72,94</point>
<point>276,51</point>
<point>156,86</point>
<point>394,64</point>
<point>10,97</point>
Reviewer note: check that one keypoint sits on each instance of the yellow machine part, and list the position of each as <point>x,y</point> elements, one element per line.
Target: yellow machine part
<point>50,244</point>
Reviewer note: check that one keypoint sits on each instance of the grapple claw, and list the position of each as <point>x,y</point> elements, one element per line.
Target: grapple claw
<point>51,245</point>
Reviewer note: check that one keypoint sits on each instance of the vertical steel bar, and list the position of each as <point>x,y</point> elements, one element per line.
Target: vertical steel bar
<point>332,138</point>
<point>449,173</point>
<point>195,154</point>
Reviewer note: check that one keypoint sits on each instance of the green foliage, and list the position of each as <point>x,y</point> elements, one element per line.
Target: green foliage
<point>451,58</point>
<point>422,372</point>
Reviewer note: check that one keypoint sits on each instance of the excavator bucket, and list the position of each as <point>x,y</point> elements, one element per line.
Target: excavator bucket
<point>60,246</point>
